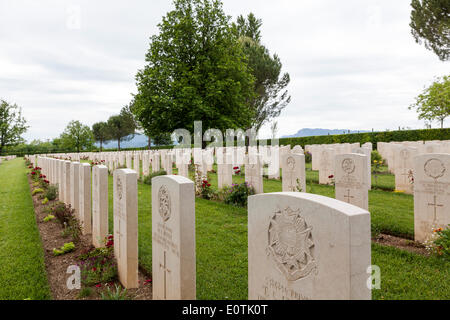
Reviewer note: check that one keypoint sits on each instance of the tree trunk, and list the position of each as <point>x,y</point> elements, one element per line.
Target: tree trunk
<point>101,143</point>
<point>442,123</point>
<point>118,143</point>
<point>149,143</point>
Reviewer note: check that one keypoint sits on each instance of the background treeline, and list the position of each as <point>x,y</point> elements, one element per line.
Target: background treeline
<point>374,137</point>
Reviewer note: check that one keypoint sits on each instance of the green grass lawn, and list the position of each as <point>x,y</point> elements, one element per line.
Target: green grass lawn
<point>221,236</point>
<point>22,270</point>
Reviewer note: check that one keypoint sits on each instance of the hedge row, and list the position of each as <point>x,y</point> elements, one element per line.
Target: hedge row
<point>374,137</point>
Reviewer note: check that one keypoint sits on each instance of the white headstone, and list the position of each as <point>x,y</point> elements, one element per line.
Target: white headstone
<point>431,194</point>
<point>173,238</point>
<point>99,205</point>
<point>351,179</point>
<point>303,246</point>
<point>126,226</point>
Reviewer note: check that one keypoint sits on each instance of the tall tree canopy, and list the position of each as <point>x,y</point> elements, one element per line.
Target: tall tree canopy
<point>196,71</point>
<point>101,133</point>
<point>430,24</point>
<point>434,103</point>
<point>122,127</point>
<point>12,125</point>
<point>270,94</point>
<point>77,136</point>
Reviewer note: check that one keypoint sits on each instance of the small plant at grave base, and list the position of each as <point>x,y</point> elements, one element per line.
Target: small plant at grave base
<point>85,292</point>
<point>148,179</point>
<point>119,294</point>
<point>66,248</point>
<point>49,217</point>
<point>52,192</point>
<point>376,169</point>
<point>98,265</point>
<point>439,243</point>
<point>45,201</point>
<point>65,215</point>
<point>206,192</point>
<point>237,171</point>
<point>238,194</point>
<point>36,184</point>
<point>331,177</point>
<point>37,191</point>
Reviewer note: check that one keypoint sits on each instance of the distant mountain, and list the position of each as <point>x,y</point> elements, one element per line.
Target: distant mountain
<point>308,132</point>
<point>138,141</point>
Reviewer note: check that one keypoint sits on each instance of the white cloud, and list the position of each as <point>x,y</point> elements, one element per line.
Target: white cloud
<point>353,64</point>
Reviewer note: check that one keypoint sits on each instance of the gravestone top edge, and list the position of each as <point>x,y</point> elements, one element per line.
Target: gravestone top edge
<point>344,207</point>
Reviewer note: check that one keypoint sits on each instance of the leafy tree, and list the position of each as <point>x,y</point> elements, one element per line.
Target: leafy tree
<point>434,102</point>
<point>12,125</point>
<point>101,133</point>
<point>196,71</point>
<point>163,139</point>
<point>430,24</point>
<point>270,85</point>
<point>122,127</point>
<point>77,136</point>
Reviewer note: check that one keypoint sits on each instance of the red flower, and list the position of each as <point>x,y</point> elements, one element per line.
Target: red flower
<point>331,177</point>
<point>209,185</point>
<point>235,168</point>
<point>147,281</point>
<point>94,269</point>
<point>99,285</point>
<point>33,173</point>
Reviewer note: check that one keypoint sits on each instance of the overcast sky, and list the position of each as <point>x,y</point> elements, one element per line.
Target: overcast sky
<point>353,64</point>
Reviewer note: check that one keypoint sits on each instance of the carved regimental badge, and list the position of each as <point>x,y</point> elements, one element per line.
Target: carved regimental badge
<point>164,203</point>
<point>434,168</point>
<point>290,163</point>
<point>348,165</point>
<point>290,243</point>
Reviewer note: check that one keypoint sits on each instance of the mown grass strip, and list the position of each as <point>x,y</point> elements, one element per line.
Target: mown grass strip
<point>22,269</point>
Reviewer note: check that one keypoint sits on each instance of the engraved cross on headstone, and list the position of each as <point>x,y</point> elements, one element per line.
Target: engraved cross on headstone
<point>166,270</point>
<point>348,196</point>
<point>119,232</point>
<point>435,206</point>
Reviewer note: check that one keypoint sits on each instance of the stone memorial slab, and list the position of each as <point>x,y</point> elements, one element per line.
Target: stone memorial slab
<point>307,247</point>
<point>351,179</point>
<point>173,238</point>
<point>431,194</point>
<point>126,226</point>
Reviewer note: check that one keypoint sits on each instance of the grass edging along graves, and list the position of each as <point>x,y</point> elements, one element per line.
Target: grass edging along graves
<point>410,276</point>
<point>221,243</point>
<point>22,270</point>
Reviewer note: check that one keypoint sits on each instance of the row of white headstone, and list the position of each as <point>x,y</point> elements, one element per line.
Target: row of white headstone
<point>296,240</point>
<point>301,246</point>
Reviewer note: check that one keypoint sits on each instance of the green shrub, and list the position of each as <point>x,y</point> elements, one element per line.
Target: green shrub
<point>98,266</point>
<point>85,292</point>
<point>118,294</point>
<point>52,192</point>
<point>49,218</point>
<point>148,179</point>
<point>66,248</point>
<point>376,156</point>
<point>65,215</point>
<point>37,190</point>
<point>237,194</point>
<point>439,244</point>
<point>374,137</point>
